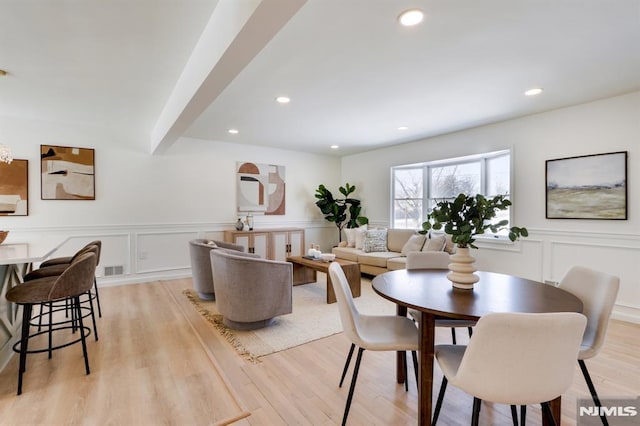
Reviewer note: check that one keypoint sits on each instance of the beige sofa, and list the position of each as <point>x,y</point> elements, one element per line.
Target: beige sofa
<point>393,256</point>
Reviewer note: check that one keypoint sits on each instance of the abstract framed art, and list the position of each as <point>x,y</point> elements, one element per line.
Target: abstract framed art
<point>587,187</point>
<point>260,188</point>
<point>14,188</point>
<point>67,173</point>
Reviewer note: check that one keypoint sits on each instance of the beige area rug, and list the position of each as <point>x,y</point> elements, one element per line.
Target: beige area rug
<point>312,318</point>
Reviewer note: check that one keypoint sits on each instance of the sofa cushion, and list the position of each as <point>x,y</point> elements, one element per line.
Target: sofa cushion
<point>347,253</point>
<point>377,258</point>
<point>396,238</point>
<point>375,240</point>
<point>414,243</point>
<point>435,243</point>
<point>397,263</point>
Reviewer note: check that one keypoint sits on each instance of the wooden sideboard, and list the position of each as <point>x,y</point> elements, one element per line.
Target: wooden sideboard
<point>274,244</point>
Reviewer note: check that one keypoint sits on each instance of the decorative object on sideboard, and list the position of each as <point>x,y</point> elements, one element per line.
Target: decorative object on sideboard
<point>249,221</point>
<point>464,218</point>
<point>3,236</point>
<point>14,188</point>
<point>67,173</point>
<point>260,188</point>
<point>587,187</point>
<point>5,154</point>
<point>239,225</point>
<point>344,212</point>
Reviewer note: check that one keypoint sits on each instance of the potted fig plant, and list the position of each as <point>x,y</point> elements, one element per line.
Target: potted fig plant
<point>344,212</point>
<point>464,218</point>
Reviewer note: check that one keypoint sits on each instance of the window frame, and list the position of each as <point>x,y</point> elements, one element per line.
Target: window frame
<point>427,167</point>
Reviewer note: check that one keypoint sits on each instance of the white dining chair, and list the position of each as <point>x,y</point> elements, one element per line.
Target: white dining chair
<point>598,292</point>
<point>370,332</point>
<point>435,260</point>
<point>515,359</point>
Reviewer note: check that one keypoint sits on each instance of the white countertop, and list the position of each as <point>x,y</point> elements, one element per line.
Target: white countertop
<point>35,248</point>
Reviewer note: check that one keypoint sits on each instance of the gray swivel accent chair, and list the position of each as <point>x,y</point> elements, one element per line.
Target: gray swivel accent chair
<point>251,291</point>
<point>201,265</point>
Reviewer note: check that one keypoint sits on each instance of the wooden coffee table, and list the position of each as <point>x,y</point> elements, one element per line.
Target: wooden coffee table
<point>304,272</point>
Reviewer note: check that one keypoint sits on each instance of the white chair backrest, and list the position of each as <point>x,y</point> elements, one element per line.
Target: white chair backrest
<point>516,358</point>
<point>598,292</point>
<point>349,315</point>
<point>428,260</point>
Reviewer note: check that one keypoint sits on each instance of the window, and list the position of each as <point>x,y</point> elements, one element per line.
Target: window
<point>418,187</point>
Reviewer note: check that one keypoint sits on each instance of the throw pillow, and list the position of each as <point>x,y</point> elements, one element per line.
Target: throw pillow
<point>449,246</point>
<point>414,243</point>
<point>359,236</point>
<point>351,236</point>
<point>434,243</point>
<point>375,240</point>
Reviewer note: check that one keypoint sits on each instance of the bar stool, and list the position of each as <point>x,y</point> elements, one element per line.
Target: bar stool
<point>56,265</point>
<point>74,281</point>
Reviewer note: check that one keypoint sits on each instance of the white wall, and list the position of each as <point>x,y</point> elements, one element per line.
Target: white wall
<point>147,207</point>
<point>554,245</point>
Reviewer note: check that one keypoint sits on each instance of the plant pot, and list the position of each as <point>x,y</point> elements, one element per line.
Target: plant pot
<point>462,269</point>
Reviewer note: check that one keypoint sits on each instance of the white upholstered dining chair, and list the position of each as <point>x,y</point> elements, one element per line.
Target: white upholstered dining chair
<point>598,292</point>
<point>515,359</point>
<point>435,260</point>
<point>372,332</point>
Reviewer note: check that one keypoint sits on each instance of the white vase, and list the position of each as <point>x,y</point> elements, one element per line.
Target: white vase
<point>462,269</point>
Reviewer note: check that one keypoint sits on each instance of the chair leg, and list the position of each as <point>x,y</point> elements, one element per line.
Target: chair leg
<point>353,386</point>
<point>453,335</point>
<point>443,389</point>
<point>406,376</point>
<point>514,415</point>
<point>470,330</point>
<point>592,390</point>
<point>546,411</point>
<point>414,355</point>
<point>50,326</point>
<point>93,316</point>
<point>475,416</point>
<point>346,364</point>
<point>24,343</point>
<point>523,414</point>
<point>95,285</point>
<point>76,301</point>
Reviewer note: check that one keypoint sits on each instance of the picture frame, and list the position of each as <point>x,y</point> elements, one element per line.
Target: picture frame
<point>14,188</point>
<point>67,173</point>
<point>260,188</point>
<point>587,187</point>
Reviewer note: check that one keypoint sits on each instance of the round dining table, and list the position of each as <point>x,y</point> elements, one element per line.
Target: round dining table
<point>430,292</point>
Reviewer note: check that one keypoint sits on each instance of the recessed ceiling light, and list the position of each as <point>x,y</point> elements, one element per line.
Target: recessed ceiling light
<point>283,100</point>
<point>334,147</point>
<point>411,17</point>
<point>533,92</point>
<point>403,128</point>
<point>233,131</point>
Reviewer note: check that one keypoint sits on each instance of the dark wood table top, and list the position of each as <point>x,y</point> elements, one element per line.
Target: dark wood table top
<point>431,291</point>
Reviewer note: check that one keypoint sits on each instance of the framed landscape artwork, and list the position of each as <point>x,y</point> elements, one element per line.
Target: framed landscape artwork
<point>587,187</point>
<point>67,173</point>
<point>260,188</point>
<point>14,188</point>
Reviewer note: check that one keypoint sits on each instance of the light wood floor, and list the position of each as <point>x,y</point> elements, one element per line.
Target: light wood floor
<point>158,362</point>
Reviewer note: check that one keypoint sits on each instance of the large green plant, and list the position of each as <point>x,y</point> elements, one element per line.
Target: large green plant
<point>468,216</point>
<point>344,212</point>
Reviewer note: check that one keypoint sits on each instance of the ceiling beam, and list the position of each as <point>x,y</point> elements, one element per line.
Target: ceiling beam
<point>236,32</point>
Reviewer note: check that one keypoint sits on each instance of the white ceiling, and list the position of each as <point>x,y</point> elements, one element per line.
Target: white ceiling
<point>353,74</point>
